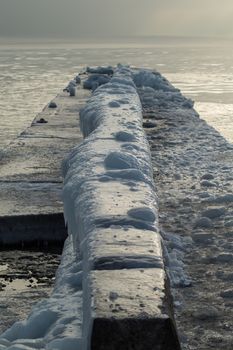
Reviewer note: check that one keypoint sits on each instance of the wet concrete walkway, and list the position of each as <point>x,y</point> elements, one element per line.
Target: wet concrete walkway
<point>30,172</point>
<point>31,210</point>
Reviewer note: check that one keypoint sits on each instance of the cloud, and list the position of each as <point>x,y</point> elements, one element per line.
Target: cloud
<point>192,17</point>
<point>87,18</point>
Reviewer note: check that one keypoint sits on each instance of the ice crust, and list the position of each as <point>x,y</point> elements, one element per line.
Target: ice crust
<point>110,205</point>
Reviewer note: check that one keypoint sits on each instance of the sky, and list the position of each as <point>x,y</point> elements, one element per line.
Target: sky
<point>113,18</point>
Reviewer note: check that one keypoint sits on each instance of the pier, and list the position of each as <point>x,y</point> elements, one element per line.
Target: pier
<point>149,217</point>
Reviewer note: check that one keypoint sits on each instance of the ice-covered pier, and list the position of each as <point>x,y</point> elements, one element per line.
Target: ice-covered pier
<point>112,289</point>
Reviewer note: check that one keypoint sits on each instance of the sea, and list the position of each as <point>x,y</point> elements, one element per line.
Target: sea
<point>32,72</point>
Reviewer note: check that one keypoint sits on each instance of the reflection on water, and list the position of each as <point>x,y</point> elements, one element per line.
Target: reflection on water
<point>31,75</point>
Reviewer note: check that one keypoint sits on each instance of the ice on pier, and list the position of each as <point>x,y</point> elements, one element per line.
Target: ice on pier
<point>101,70</point>
<point>78,79</point>
<point>95,80</point>
<point>152,79</point>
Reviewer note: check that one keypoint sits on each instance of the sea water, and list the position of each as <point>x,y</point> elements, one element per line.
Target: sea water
<point>32,73</point>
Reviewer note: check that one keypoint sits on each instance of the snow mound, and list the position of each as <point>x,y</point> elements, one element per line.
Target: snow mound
<point>101,70</point>
<point>94,81</point>
<point>152,80</point>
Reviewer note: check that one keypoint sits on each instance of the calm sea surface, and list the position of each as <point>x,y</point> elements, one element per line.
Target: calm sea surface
<point>31,74</point>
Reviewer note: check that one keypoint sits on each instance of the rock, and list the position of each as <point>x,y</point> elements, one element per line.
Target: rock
<point>207,176</point>
<point>224,276</point>
<point>78,79</point>
<point>228,234</point>
<point>206,183</point>
<point>228,223</point>
<point>206,313</point>
<point>52,104</point>
<point>42,121</point>
<point>202,237</point>
<point>228,293</point>
<point>215,212</point>
<point>149,125</point>
<point>204,195</point>
<point>204,222</point>
<point>188,104</point>
<point>213,337</point>
<point>228,246</point>
<point>224,258</point>
<point>177,176</point>
<point>72,91</point>
<point>229,178</point>
<point>227,198</point>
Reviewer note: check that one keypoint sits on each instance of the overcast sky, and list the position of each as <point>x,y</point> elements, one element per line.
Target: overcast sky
<point>91,18</point>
